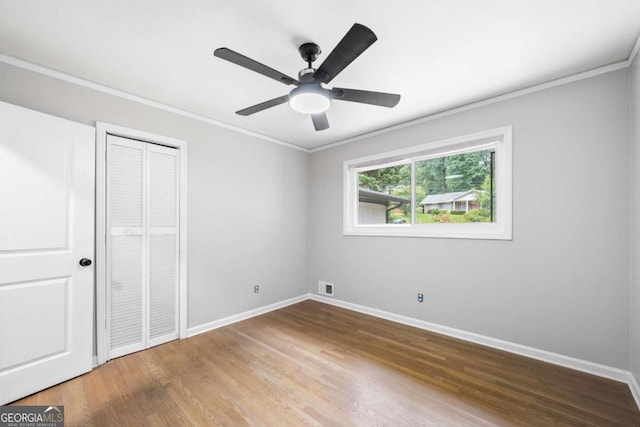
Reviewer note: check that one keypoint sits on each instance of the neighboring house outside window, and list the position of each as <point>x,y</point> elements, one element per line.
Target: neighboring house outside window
<point>457,201</point>
<point>457,188</point>
<point>374,207</point>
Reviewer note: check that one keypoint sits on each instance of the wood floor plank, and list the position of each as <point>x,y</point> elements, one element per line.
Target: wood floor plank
<point>312,364</point>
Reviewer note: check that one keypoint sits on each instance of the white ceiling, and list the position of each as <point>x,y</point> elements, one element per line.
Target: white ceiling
<point>437,54</point>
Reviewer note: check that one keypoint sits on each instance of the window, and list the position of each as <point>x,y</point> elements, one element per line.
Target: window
<point>458,188</point>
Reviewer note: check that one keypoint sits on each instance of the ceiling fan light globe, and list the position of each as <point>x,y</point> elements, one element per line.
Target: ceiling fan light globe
<point>309,101</point>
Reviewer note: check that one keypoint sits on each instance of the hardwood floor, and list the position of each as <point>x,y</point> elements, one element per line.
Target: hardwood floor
<point>315,364</point>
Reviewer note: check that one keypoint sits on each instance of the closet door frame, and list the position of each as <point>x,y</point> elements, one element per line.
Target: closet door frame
<point>102,130</point>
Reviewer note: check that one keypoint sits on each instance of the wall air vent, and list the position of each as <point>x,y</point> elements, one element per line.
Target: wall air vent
<point>325,288</point>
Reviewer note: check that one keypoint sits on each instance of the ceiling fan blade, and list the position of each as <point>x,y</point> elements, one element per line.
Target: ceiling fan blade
<point>366,97</point>
<point>263,106</point>
<point>243,61</point>
<point>357,40</point>
<point>320,121</point>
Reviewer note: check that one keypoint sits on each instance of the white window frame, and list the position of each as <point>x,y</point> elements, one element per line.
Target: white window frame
<point>499,139</point>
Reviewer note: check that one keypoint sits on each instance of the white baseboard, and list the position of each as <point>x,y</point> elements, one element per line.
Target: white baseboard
<point>206,327</point>
<point>635,388</point>
<point>534,353</point>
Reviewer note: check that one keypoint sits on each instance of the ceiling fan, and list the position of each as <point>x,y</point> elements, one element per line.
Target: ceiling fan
<point>310,96</point>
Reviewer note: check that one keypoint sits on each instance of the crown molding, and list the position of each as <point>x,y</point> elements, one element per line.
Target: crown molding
<point>40,69</point>
<point>510,95</point>
<point>634,52</point>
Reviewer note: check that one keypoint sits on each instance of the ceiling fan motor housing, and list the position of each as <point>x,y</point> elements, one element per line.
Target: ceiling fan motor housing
<point>306,75</point>
<point>309,52</point>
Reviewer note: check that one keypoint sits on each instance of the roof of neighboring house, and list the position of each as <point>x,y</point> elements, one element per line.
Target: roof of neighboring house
<point>444,198</point>
<point>370,196</point>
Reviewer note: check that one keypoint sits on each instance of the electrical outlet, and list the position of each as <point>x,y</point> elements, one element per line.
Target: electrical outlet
<point>420,297</point>
<point>256,289</point>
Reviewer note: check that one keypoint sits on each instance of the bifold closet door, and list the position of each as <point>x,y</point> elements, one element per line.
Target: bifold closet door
<point>142,254</point>
<point>162,244</point>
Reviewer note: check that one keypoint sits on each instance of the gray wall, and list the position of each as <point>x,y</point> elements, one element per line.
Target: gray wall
<point>246,197</point>
<point>635,218</point>
<point>561,285</point>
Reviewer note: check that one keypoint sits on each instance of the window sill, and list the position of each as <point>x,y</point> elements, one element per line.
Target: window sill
<point>444,231</point>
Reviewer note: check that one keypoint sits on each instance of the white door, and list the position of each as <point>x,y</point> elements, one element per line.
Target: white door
<point>163,243</point>
<point>46,228</point>
<point>142,246</point>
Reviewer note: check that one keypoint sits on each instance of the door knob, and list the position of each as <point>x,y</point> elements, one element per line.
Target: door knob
<point>85,262</point>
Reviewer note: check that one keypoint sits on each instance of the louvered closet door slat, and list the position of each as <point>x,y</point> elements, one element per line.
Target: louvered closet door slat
<point>126,294</point>
<point>163,187</point>
<point>126,182</point>
<point>126,272</point>
<point>163,241</point>
<point>163,286</point>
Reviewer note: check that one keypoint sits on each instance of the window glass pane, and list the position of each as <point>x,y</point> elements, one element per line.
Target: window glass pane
<point>456,189</point>
<point>384,195</point>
